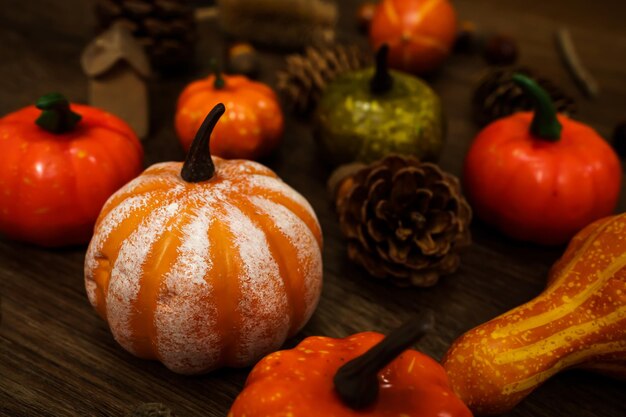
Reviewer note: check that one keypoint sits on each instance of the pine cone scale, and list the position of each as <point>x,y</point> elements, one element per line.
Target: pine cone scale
<point>497,96</point>
<point>166,28</point>
<point>305,76</point>
<point>404,220</point>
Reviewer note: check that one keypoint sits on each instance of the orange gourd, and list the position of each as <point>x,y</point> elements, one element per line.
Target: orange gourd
<point>420,33</point>
<point>60,163</point>
<point>579,321</point>
<point>205,264</point>
<point>252,127</point>
<point>361,375</point>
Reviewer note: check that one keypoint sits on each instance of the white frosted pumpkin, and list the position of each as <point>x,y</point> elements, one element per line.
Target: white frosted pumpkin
<point>200,275</point>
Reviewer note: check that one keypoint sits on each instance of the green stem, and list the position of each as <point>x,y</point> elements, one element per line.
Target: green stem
<point>219,82</point>
<point>545,124</point>
<point>382,81</point>
<point>56,115</point>
<point>356,382</point>
<point>199,165</point>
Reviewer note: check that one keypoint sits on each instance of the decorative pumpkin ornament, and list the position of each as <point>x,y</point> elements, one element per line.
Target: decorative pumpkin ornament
<point>365,374</point>
<point>61,161</point>
<point>405,221</point>
<point>205,264</point>
<point>420,33</point>
<point>365,115</point>
<point>541,177</point>
<point>253,126</point>
<point>578,321</point>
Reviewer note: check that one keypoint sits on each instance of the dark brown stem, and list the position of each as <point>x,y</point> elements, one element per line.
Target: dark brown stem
<point>356,382</point>
<point>199,165</point>
<point>382,81</point>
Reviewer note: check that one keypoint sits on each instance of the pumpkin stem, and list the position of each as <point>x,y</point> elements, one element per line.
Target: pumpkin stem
<point>356,382</point>
<point>545,124</point>
<point>199,165</point>
<point>219,82</point>
<point>382,81</point>
<point>56,116</point>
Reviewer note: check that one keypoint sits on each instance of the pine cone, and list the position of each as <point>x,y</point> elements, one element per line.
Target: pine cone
<point>166,28</point>
<point>498,96</point>
<point>404,220</point>
<point>306,75</point>
<point>151,410</point>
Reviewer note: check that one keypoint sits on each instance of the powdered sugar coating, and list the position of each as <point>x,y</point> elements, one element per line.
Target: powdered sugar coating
<point>303,240</point>
<point>263,307</point>
<point>187,324</point>
<point>108,224</point>
<point>187,339</point>
<point>127,272</point>
<point>279,187</point>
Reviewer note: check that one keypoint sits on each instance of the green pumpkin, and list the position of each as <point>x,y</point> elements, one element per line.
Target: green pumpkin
<point>367,114</point>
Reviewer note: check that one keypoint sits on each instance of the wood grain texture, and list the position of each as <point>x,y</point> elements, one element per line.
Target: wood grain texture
<point>57,357</point>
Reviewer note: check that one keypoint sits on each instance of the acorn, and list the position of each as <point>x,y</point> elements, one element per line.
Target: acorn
<point>467,38</point>
<point>500,50</point>
<point>243,59</point>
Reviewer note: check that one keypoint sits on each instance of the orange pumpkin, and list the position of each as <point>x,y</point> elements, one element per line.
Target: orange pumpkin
<point>215,265</point>
<point>60,163</point>
<point>420,33</point>
<point>253,125</point>
<point>361,375</point>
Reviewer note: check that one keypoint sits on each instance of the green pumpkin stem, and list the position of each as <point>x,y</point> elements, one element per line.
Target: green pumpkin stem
<point>356,382</point>
<point>382,81</point>
<point>199,165</point>
<point>56,115</point>
<point>545,125</point>
<point>219,82</point>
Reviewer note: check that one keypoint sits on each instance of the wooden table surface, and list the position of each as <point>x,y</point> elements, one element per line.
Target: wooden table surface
<point>57,357</point>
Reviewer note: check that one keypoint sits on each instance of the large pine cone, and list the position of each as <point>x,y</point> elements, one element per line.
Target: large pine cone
<point>404,220</point>
<point>497,96</point>
<point>306,75</point>
<point>166,28</point>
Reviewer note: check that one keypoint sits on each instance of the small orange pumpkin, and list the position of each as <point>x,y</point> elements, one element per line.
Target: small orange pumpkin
<point>215,265</point>
<point>60,163</point>
<point>362,375</point>
<point>420,33</point>
<point>253,125</point>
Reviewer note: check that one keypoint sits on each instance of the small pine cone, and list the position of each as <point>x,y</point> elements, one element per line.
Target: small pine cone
<point>151,410</point>
<point>307,75</point>
<point>404,220</point>
<point>166,28</point>
<point>497,96</point>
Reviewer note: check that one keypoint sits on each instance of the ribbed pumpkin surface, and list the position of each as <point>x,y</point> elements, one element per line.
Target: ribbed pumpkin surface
<point>209,274</point>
